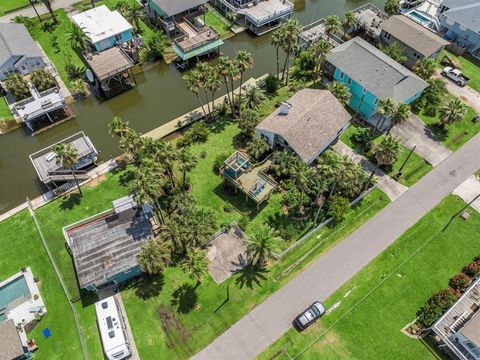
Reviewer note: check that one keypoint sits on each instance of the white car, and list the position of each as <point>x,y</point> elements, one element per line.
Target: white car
<point>309,316</point>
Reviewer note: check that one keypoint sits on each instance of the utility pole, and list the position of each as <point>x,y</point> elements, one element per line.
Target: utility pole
<point>460,211</point>
<point>399,172</point>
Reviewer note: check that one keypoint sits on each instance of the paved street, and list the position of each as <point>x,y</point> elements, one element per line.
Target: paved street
<point>269,320</point>
<point>40,8</point>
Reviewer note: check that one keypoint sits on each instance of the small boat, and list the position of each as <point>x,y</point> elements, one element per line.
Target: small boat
<point>409,4</point>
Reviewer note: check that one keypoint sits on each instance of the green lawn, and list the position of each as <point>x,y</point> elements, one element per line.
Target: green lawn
<point>420,263</point>
<point>470,67</point>
<point>5,113</point>
<point>218,22</point>
<point>11,5</point>
<point>62,55</point>
<point>415,168</point>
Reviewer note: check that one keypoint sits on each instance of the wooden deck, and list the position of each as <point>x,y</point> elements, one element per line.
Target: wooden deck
<point>109,63</point>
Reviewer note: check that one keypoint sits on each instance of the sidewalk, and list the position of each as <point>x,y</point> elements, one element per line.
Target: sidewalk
<point>389,186</point>
<point>41,9</point>
<point>468,190</point>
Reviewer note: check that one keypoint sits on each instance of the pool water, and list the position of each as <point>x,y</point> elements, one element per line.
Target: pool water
<point>14,292</point>
<point>419,18</point>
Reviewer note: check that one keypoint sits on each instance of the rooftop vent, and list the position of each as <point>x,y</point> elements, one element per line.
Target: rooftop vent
<point>285,108</point>
<point>104,305</point>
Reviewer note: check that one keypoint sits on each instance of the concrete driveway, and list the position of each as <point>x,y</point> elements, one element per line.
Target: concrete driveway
<point>415,133</point>
<point>465,93</point>
<point>468,191</point>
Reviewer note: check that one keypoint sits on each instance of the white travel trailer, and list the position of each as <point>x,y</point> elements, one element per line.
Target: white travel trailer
<point>112,329</point>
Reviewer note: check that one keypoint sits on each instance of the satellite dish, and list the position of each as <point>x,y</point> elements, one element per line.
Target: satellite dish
<point>89,75</point>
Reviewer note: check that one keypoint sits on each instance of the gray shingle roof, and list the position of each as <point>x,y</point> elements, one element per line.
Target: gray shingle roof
<point>413,34</point>
<point>10,344</point>
<point>16,41</point>
<point>315,118</point>
<point>174,7</point>
<point>376,71</point>
<point>456,3</point>
<point>467,15</point>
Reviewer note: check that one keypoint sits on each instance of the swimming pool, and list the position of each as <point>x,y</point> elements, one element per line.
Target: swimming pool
<point>414,15</point>
<point>13,293</point>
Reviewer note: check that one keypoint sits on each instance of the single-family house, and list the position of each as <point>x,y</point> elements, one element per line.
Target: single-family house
<point>259,16</point>
<point>18,51</point>
<point>460,23</point>
<point>416,40</point>
<point>104,28</point>
<point>11,347</point>
<point>372,76</point>
<point>458,330</point>
<point>105,246</point>
<point>308,123</point>
<point>191,36</point>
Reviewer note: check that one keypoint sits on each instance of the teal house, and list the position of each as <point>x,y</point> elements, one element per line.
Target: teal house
<point>372,76</point>
<point>185,24</point>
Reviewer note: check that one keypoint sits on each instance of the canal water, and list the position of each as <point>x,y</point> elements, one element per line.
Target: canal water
<point>159,97</point>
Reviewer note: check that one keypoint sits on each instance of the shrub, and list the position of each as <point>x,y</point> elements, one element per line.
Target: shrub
<point>459,282</point>
<point>243,222</point>
<point>363,139</point>
<point>18,86</point>
<point>78,87</point>
<point>219,160</point>
<point>271,84</point>
<point>155,45</point>
<point>197,133</point>
<point>338,207</point>
<point>43,80</point>
<point>25,20</point>
<point>435,307</point>
<point>472,269</point>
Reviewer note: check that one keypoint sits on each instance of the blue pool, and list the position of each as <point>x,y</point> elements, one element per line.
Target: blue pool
<point>13,293</point>
<point>420,18</point>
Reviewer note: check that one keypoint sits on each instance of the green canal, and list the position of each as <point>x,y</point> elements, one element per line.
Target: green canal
<point>159,97</point>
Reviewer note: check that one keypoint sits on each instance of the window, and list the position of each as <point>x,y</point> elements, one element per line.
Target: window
<point>23,67</point>
<point>37,62</point>
<point>349,81</point>
<point>118,37</point>
<point>388,35</point>
<point>364,91</point>
<point>376,101</point>
<point>342,74</point>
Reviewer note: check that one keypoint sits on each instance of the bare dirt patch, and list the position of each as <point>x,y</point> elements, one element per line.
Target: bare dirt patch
<point>97,181</point>
<point>177,335</point>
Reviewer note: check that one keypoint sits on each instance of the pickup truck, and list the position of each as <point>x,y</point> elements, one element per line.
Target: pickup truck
<point>455,75</point>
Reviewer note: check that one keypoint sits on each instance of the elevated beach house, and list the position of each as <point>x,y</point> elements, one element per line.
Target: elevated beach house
<point>259,16</point>
<point>308,123</point>
<point>460,23</point>
<point>103,27</point>
<point>415,40</point>
<point>18,51</point>
<point>183,23</point>
<point>105,246</point>
<point>372,76</point>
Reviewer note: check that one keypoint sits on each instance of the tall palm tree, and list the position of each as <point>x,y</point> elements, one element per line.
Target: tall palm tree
<point>282,162</point>
<point>134,13</point>
<point>320,49</point>
<point>244,61</point>
<point>192,78</point>
<point>67,156</point>
<point>262,244</point>
<point>254,96</point>
<point>332,25</point>
<point>195,264</point>
<point>395,51</point>
<point>247,122</point>
<point>349,21</point>
<point>212,84</point>
<point>203,69</point>
<point>233,74</point>
<point>452,111</point>
<point>290,31</point>
<point>49,5</point>
<point>155,256</point>
<point>425,68</point>
<point>278,42</point>
<point>392,7</point>
<point>341,92</point>
<point>386,108</point>
<point>257,147</point>
<point>118,127</point>
<point>386,152</point>
<point>166,154</point>
<point>77,37</point>
<point>187,162</point>
<point>400,116</point>
<point>32,3</point>
<point>223,66</point>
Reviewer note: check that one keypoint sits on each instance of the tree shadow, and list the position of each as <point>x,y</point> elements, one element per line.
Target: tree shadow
<point>184,298</point>
<point>88,298</point>
<point>436,131</point>
<point>218,124</point>
<point>70,201</point>
<point>251,275</point>
<point>227,193</point>
<point>241,140</point>
<point>149,287</point>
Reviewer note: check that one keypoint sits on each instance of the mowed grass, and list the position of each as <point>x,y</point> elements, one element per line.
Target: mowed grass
<point>214,19</point>
<point>11,5</point>
<point>5,113</point>
<point>396,284</point>
<point>470,67</point>
<point>21,247</point>
<point>415,168</point>
<point>64,54</point>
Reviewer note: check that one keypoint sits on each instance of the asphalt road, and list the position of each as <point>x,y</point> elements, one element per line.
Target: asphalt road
<point>268,321</point>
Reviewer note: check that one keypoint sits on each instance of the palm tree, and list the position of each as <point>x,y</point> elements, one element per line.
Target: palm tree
<point>213,83</point>
<point>233,74</point>
<point>257,147</point>
<point>349,21</point>
<point>395,51</point>
<point>192,79</point>
<point>67,156</point>
<point>223,66</point>
<point>49,5</point>
<point>244,61</point>
<point>341,92</point>
<point>262,244</point>
<point>166,155</point>
<point>155,256</point>
<point>77,37</point>
<point>392,7</point>
<point>400,116</point>
<point>187,162</point>
<point>452,111</point>
<point>134,13</point>
<point>231,17</point>
<point>277,41</point>
<point>131,143</point>
<point>290,31</point>
<point>203,70</point>
<point>195,264</point>
<point>254,96</point>
<point>320,49</point>
<point>32,2</point>
<point>386,108</point>
<point>425,68</point>
<point>247,122</point>
<point>282,162</point>
<point>386,152</point>
<point>332,25</point>
<point>118,127</point>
